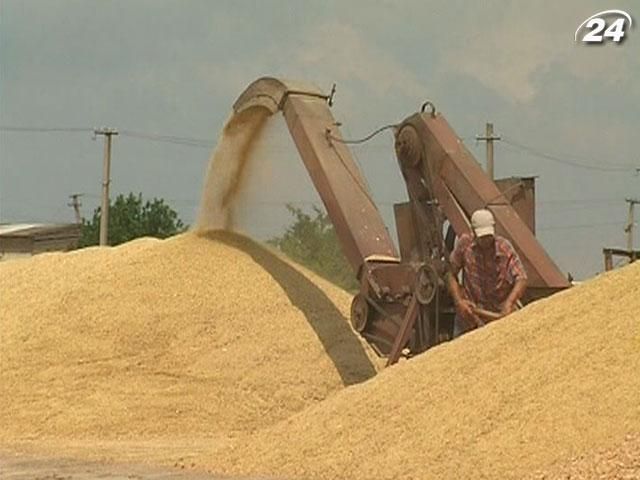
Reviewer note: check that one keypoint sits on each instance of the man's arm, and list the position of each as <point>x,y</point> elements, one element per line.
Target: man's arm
<point>464,306</point>
<point>454,287</point>
<point>519,276</point>
<point>516,293</point>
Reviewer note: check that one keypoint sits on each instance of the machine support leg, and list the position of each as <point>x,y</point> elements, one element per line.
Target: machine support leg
<point>404,333</point>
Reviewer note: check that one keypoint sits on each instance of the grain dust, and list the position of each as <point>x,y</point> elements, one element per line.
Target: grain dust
<point>228,168</point>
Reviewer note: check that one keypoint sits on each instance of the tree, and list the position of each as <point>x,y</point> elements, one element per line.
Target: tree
<point>129,218</point>
<point>312,242</point>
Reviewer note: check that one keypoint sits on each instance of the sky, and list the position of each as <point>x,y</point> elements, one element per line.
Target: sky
<point>567,112</point>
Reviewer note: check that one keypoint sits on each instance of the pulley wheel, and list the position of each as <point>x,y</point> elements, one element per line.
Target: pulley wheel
<point>408,148</point>
<point>426,284</point>
<point>359,313</point>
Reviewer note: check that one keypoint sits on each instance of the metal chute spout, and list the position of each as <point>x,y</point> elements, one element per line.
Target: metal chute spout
<point>271,93</point>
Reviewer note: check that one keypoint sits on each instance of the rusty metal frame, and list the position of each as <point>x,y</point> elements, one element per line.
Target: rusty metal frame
<point>462,187</point>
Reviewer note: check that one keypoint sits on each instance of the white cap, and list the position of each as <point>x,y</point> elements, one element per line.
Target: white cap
<point>483,223</point>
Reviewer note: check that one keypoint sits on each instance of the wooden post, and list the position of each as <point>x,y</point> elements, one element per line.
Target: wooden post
<point>630,225</point>
<point>489,137</point>
<point>608,260</point>
<point>106,180</point>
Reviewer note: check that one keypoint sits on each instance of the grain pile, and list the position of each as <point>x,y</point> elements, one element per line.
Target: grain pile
<point>619,462</point>
<point>555,381</point>
<point>185,337</point>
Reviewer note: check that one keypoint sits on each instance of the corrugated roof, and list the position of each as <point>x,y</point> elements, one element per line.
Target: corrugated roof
<point>10,228</point>
<point>38,229</point>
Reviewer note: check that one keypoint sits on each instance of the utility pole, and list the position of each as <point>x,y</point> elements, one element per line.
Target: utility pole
<point>629,227</point>
<point>489,137</point>
<point>106,172</point>
<point>75,203</point>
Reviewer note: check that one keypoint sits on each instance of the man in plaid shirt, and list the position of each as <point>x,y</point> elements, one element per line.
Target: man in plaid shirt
<point>493,277</point>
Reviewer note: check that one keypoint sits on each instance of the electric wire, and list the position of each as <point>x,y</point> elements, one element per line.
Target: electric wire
<point>188,141</point>
<point>364,139</point>
<point>5,128</point>
<point>202,143</point>
<point>604,167</point>
<point>579,226</point>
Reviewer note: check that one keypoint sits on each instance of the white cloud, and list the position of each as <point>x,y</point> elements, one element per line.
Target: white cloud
<point>342,53</point>
<point>610,64</point>
<point>512,49</point>
<point>330,52</point>
<point>228,80</point>
<point>507,56</point>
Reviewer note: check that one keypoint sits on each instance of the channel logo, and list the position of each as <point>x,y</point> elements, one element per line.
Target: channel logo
<point>603,27</point>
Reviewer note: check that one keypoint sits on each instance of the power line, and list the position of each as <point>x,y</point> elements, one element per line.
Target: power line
<point>604,167</point>
<point>580,226</point>
<point>203,143</point>
<point>563,210</point>
<point>5,128</point>
<point>188,141</point>
<point>564,156</point>
<point>609,200</point>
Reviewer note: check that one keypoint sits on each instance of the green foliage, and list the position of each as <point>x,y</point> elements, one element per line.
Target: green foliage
<point>312,242</point>
<point>129,218</point>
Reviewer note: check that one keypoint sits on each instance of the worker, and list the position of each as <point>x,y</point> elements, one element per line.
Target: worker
<point>493,277</point>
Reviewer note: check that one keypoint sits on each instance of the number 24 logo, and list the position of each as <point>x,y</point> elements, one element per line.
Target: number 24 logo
<point>597,24</point>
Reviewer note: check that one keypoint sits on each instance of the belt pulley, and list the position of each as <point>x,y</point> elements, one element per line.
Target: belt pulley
<point>426,284</point>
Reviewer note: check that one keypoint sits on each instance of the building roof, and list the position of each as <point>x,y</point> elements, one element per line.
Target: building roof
<point>38,229</point>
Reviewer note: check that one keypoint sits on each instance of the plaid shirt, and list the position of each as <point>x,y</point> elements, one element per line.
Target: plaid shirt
<point>487,279</point>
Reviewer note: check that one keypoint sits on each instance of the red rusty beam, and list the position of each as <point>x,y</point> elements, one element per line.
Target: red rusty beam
<point>465,187</point>
<point>338,180</point>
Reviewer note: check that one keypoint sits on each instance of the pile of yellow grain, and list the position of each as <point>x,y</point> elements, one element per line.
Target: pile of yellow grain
<point>620,461</point>
<point>187,337</point>
<point>558,380</point>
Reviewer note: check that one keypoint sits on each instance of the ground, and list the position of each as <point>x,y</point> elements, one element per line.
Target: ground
<point>14,466</point>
